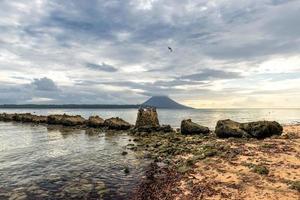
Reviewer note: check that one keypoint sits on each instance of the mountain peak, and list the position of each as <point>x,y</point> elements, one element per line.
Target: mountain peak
<point>164,102</point>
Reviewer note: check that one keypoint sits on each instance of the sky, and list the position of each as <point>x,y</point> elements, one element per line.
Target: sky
<point>226,53</point>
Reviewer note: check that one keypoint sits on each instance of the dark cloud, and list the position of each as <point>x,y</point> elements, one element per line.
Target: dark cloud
<point>208,74</point>
<point>103,67</point>
<point>44,84</point>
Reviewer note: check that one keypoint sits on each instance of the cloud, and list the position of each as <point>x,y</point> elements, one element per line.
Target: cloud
<point>103,67</point>
<point>219,47</point>
<point>44,84</point>
<point>208,74</point>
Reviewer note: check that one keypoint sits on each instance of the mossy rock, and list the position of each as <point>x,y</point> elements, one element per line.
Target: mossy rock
<point>295,185</point>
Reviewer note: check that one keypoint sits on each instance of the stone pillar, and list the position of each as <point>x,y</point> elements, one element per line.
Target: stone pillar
<point>147,117</point>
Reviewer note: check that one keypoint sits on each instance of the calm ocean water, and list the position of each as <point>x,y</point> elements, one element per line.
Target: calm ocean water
<point>206,117</point>
<point>39,162</point>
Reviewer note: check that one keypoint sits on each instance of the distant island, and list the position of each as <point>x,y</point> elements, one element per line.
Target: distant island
<point>155,101</point>
<point>164,102</point>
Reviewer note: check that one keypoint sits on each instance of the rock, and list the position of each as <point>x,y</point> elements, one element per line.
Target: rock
<point>189,127</point>
<point>166,128</point>
<point>95,121</point>
<point>6,117</point>
<point>54,119</point>
<point>117,124</point>
<point>147,121</point>
<point>66,120</point>
<point>228,128</point>
<point>28,117</point>
<point>72,120</point>
<point>147,117</point>
<point>22,117</point>
<point>126,170</point>
<point>260,129</point>
<point>100,188</point>
<point>39,119</point>
<point>18,196</point>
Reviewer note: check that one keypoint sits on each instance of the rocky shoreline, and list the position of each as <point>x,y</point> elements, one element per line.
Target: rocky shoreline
<point>180,157</point>
<point>147,122</point>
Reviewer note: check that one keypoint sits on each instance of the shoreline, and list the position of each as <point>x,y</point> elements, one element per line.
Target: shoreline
<point>232,169</point>
<point>201,166</point>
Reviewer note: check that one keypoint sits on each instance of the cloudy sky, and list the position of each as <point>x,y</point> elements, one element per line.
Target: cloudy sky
<point>226,53</point>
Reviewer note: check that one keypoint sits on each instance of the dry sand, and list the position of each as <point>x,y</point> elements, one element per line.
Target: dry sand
<point>226,178</point>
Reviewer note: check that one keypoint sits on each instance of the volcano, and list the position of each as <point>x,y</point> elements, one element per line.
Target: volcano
<point>164,102</point>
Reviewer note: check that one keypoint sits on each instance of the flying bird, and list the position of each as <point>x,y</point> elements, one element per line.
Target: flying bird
<point>171,50</point>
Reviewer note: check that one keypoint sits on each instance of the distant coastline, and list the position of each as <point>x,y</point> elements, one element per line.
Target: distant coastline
<point>71,106</point>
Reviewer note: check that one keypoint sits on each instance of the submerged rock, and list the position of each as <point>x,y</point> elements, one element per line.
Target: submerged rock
<point>95,121</point>
<point>117,124</point>
<point>260,129</point>
<point>189,127</point>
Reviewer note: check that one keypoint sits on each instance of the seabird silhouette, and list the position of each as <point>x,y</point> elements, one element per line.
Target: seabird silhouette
<point>171,50</point>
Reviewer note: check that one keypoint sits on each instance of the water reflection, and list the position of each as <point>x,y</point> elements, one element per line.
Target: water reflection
<point>37,162</point>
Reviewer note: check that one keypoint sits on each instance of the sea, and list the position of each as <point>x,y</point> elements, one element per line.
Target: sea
<point>41,162</point>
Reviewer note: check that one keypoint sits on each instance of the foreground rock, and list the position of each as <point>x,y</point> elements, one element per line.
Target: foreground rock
<point>188,127</point>
<point>95,121</point>
<point>117,123</point>
<point>260,129</point>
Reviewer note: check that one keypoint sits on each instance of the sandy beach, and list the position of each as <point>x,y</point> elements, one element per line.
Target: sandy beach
<point>252,169</point>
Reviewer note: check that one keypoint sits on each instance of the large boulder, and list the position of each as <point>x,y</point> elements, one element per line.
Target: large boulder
<point>95,121</point>
<point>117,124</point>
<point>189,127</point>
<point>228,128</point>
<point>260,129</point>
<point>147,117</point>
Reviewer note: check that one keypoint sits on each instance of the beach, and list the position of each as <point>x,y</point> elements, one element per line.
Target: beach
<point>95,158</point>
<point>240,169</point>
